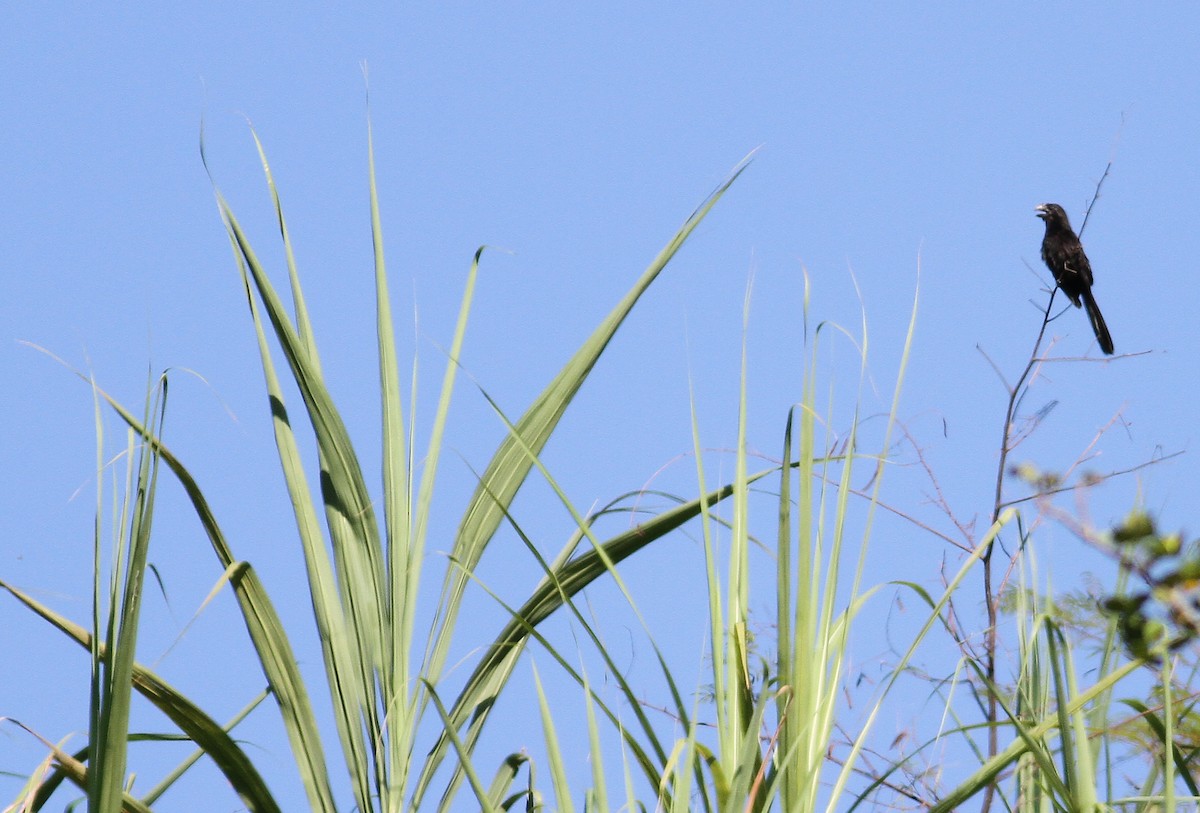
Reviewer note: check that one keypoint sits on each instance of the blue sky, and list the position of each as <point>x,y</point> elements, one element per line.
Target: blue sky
<point>578,139</point>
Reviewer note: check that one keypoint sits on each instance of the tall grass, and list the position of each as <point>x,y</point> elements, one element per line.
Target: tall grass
<point>761,741</point>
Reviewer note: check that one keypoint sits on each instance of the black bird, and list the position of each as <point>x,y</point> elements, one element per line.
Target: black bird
<point>1063,253</point>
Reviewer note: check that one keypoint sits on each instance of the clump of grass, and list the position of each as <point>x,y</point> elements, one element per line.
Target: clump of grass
<point>764,737</point>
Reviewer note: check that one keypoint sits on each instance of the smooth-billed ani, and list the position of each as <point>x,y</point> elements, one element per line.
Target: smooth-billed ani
<point>1063,253</point>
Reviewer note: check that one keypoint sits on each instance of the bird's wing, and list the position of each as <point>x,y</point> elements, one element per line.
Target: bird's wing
<point>1077,263</point>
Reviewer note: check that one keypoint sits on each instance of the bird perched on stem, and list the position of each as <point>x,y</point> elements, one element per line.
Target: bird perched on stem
<point>1063,253</point>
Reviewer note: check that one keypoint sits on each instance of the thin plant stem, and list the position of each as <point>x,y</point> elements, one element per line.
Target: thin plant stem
<point>991,602</point>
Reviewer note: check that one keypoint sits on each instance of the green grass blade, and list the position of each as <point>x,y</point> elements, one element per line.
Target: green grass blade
<point>349,510</point>
<point>738,695</point>
<point>72,768</point>
<point>192,721</point>
<point>558,771</point>
<point>599,790</point>
<point>1157,725</point>
<point>261,801</point>
<point>264,627</point>
<point>1020,746</point>
<point>716,604</point>
<point>492,684</point>
<point>551,594</point>
<point>510,465</point>
<point>353,613</point>
<point>349,673</point>
<point>500,791</point>
<point>402,546</point>
<point>1078,773</point>
<point>303,325</point>
<point>414,555</point>
<point>113,662</point>
<point>464,754</point>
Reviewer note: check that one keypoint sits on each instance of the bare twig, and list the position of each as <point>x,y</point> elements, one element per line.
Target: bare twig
<point>939,498</point>
<point>1095,197</point>
<point>991,601</point>
<point>1073,486</point>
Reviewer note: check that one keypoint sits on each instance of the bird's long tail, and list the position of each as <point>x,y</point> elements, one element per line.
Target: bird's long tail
<point>1097,319</point>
